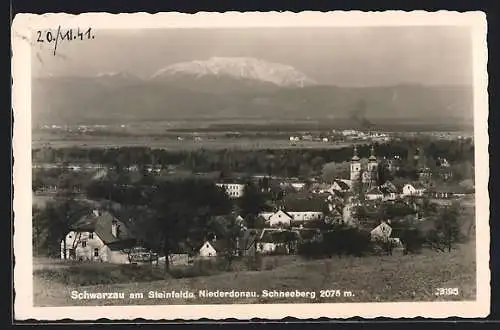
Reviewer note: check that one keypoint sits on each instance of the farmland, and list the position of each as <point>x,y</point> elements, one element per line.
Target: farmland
<point>398,278</point>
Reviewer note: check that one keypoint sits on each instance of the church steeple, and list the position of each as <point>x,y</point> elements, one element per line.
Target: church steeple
<point>372,158</point>
<point>355,165</point>
<point>355,154</point>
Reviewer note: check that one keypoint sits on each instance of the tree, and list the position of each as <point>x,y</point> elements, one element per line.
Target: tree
<point>383,173</point>
<point>229,231</point>
<point>412,239</point>
<point>184,208</point>
<point>447,228</point>
<point>252,202</point>
<point>52,223</point>
<point>331,171</point>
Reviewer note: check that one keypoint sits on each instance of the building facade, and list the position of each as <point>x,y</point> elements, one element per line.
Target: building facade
<point>233,190</point>
<point>100,237</point>
<point>367,175</point>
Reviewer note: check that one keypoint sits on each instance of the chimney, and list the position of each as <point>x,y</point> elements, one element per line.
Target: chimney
<point>214,238</point>
<point>114,228</point>
<point>96,213</point>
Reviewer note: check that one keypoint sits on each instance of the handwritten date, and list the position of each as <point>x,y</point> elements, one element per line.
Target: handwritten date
<point>59,35</point>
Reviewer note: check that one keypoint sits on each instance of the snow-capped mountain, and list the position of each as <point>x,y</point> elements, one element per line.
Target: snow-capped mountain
<point>238,67</point>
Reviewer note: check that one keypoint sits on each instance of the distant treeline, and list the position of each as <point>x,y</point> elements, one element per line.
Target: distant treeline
<point>327,126</point>
<point>288,162</point>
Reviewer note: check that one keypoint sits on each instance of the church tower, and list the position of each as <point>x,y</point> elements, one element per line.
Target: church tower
<point>372,168</point>
<point>355,165</point>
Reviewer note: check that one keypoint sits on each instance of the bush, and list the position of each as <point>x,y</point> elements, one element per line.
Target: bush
<point>312,249</point>
<point>348,241</point>
<point>341,240</point>
<point>412,240</point>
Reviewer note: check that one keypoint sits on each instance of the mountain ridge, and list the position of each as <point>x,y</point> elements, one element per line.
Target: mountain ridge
<point>175,94</point>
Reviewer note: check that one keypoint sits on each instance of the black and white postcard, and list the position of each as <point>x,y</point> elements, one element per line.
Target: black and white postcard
<point>250,165</point>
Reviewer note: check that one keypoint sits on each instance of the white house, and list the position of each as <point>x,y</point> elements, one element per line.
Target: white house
<point>412,190</point>
<point>382,231</point>
<point>272,239</point>
<point>280,218</point>
<point>305,215</point>
<point>207,250</point>
<point>234,190</point>
<point>298,185</point>
<point>98,236</point>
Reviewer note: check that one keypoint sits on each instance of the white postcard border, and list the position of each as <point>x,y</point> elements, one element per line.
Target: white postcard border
<point>22,32</point>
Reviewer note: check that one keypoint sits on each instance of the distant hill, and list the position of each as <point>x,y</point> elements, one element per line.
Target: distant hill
<point>260,91</point>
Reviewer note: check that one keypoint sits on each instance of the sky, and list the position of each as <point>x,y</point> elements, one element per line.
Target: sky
<point>343,56</point>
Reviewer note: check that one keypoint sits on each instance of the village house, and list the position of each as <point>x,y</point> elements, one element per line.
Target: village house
<point>233,190</point>
<point>278,241</point>
<point>415,189</point>
<point>381,232</point>
<point>280,219</point>
<point>98,236</point>
<point>295,185</point>
<point>208,249</point>
<point>338,186</point>
<point>335,215</point>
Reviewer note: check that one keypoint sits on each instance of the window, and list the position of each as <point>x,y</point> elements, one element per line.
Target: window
<point>84,243</point>
<point>96,252</point>
<point>91,235</point>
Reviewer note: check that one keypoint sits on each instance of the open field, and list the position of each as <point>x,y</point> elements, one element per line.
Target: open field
<point>368,279</point>
<point>173,144</point>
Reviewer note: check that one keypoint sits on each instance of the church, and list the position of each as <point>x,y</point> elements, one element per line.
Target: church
<point>367,175</point>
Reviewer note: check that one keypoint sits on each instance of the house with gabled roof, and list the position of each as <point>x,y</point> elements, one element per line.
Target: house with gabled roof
<point>413,189</point>
<point>98,236</point>
<point>272,239</point>
<point>280,219</point>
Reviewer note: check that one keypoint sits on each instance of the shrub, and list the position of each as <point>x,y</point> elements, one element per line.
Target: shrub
<point>348,241</point>
<point>412,240</point>
<point>312,249</point>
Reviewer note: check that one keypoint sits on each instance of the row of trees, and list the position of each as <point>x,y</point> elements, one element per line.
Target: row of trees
<point>285,162</point>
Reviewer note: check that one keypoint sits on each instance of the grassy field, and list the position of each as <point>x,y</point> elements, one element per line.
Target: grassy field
<point>171,144</point>
<point>368,279</point>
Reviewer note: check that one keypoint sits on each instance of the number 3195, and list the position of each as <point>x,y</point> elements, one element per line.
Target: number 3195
<point>447,292</point>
